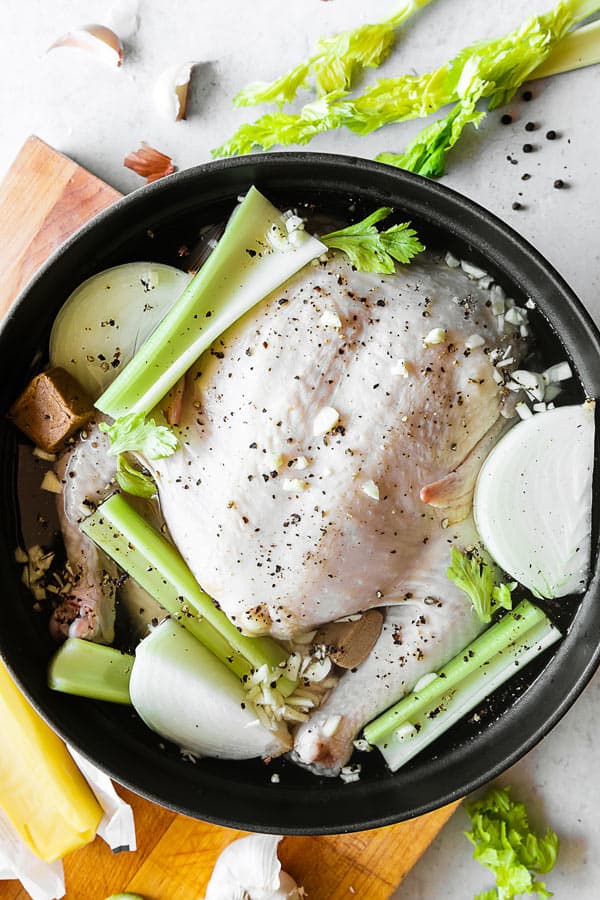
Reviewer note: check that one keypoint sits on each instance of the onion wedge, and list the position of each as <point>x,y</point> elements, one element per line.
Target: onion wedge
<point>533,501</point>
<point>188,696</point>
<point>106,320</point>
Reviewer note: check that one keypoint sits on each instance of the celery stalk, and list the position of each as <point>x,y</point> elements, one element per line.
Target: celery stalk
<point>159,568</point>
<point>116,543</point>
<point>467,679</point>
<point>444,712</point>
<point>578,49</point>
<point>91,670</point>
<point>243,269</point>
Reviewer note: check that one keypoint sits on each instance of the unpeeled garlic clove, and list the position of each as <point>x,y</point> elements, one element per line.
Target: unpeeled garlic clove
<point>171,90</point>
<point>149,162</point>
<point>98,40</point>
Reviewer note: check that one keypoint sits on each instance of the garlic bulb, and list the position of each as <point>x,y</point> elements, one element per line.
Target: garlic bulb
<point>249,869</point>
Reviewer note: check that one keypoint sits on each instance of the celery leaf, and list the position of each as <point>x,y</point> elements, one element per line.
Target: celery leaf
<point>335,62</point>
<point>341,56</point>
<point>426,153</point>
<point>285,128</point>
<point>135,433</point>
<point>477,579</point>
<point>505,844</point>
<point>132,480</point>
<point>370,250</point>
<point>281,90</point>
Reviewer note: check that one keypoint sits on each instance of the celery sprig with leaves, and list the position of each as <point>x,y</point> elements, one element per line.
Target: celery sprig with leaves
<point>370,250</point>
<point>505,844</point>
<point>493,69</point>
<point>480,580</point>
<point>426,153</point>
<point>335,62</point>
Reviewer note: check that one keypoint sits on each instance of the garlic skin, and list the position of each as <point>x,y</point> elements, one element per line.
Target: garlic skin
<point>149,162</point>
<point>171,89</point>
<point>100,41</point>
<point>249,869</point>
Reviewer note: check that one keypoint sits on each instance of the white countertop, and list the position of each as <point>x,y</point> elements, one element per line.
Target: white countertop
<point>97,115</point>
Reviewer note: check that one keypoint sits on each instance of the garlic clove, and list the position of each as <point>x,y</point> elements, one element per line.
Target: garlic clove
<point>98,40</point>
<point>150,163</point>
<point>249,867</point>
<point>171,89</point>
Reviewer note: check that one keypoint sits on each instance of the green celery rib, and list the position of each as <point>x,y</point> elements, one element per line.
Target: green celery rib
<point>91,670</point>
<point>578,49</point>
<point>241,271</point>
<point>118,544</point>
<point>160,569</point>
<point>520,628</point>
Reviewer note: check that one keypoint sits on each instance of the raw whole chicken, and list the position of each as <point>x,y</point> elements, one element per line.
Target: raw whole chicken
<point>327,438</point>
<point>330,443</point>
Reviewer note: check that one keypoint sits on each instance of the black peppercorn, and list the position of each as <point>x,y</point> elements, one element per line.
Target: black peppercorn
<point>527,148</point>
<point>551,135</point>
<point>517,205</point>
<point>527,96</point>
<point>525,176</point>
<point>506,119</point>
<point>530,126</point>
<point>559,183</point>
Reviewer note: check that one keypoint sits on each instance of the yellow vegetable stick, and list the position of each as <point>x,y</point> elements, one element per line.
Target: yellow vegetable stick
<point>42,791</point>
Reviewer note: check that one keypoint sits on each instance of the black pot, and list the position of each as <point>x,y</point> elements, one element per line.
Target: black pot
<point>153,223</point>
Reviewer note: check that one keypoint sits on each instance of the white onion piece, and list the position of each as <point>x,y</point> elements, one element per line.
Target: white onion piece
<point>188,696</point>
<point>533,501</point>
<point>134,297</point>
<point>249,868</point>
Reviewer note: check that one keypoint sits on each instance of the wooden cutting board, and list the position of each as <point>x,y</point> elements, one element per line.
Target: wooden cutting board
<point>45,198</point>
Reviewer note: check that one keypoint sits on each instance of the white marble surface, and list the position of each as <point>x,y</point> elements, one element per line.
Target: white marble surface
<point>97,115</point>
